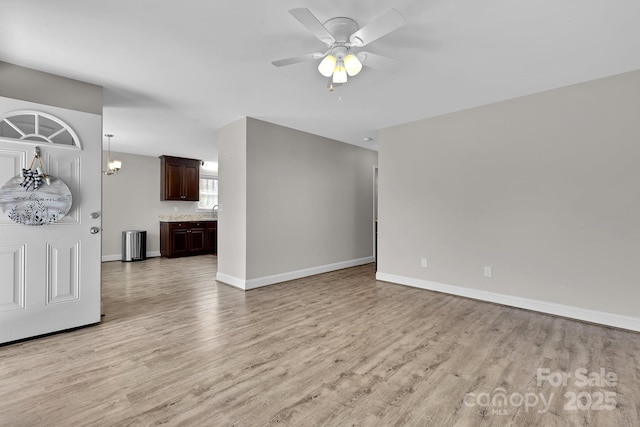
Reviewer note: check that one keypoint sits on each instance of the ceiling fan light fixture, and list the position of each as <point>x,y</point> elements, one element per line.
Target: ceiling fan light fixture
<point>327,65</point>
<point>340,73</point>
<point>352,64</point>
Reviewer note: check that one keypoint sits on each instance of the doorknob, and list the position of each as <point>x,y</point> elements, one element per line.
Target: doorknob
<point>94,230</point>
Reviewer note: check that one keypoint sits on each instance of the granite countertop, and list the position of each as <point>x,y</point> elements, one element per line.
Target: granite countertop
<point>180,218</point>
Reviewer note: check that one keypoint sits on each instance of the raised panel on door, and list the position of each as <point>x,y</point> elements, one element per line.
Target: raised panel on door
<point>12,278</point>
<point>11,163</point>
<point>63,272</point>
<point>67,168</point>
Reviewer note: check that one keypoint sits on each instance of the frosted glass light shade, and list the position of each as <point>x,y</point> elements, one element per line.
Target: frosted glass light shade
<point>340,73</point>
<point>115,165</point>
<point>327,65</point>
<point>352,64</point>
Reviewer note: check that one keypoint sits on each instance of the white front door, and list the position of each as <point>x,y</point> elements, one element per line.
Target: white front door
<point>50,274</point>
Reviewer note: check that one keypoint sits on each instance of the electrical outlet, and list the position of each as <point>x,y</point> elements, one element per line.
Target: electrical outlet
<point>487,272</point>
<point>423,263</point>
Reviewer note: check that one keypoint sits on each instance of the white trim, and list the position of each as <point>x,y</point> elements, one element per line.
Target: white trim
<point>290,275</point>
<point>231,280</point>
<point>118,257</point>
<point>587,315</point>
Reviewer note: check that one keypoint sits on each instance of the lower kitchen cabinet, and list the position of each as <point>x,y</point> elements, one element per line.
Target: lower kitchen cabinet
<point>188,238</point>
<point>197,235</point>
<point>211,239</point>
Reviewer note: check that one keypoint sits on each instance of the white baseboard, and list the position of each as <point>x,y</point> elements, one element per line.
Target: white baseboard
<point>230,280</point>
<point>587,315</point>
<point>290,275</point>
<point>118,257</point>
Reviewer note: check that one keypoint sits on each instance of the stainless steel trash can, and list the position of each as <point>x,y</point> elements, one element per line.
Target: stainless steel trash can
<point>134,245</point>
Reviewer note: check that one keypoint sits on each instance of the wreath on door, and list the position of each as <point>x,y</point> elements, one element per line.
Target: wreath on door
<point>35,198</point>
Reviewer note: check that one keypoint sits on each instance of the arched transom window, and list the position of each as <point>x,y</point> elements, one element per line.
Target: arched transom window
<point>38,127</point>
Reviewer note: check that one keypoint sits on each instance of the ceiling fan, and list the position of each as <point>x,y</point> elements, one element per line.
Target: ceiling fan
<point>343,37</point>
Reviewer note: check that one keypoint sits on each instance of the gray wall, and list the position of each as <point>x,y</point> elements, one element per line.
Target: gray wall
<point>309,200</point>
<point>543,188</point>
<point>131,201</point>
<point>309,203</point>
<point>44,88</point>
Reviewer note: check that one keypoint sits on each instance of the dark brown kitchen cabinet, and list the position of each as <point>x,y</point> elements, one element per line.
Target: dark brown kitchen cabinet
<point>179,179</point>
<point>188,238</point>
<point>198,236</point>
<point>212,237</point>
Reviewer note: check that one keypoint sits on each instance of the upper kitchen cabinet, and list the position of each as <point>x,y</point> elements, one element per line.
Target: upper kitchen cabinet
<point>179,179</point>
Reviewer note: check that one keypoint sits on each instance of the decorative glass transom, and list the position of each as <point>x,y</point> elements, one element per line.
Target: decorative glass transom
<point>39,127</point>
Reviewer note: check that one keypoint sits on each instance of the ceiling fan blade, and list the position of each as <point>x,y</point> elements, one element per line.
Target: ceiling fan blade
<point>296,59</point>
<point>377,28</point>
<point>311,23</point>
<point>379,62</point>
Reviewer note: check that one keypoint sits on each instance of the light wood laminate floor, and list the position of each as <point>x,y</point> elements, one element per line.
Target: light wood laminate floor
<point>337,349</point>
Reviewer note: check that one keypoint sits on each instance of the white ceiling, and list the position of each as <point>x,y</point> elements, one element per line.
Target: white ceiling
<point>175,72</point>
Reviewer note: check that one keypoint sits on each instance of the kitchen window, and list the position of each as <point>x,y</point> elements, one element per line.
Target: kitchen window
<point>208,193</point>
